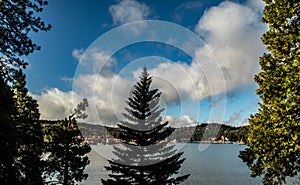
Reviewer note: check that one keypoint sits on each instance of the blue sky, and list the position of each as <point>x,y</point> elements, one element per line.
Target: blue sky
<point>202,55</point>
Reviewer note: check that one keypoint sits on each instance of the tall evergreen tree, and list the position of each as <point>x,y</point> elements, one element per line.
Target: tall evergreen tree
<point>144,158</point>
<point>274,132</point>
<point>67,149</point>
<point>29,134</point>
<point>18,122</point>
<point>8,152</point>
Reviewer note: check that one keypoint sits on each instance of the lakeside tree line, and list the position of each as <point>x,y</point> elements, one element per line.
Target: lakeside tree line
<point>101,133</point>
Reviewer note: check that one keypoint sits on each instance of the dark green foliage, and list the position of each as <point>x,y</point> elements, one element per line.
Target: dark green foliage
<point>8,152</point>
<point>29,135</point>
<point>17,20</point>
<point>274,132</point>
<point>67,149</point>
<point>207,132</point>
<point>144,158</point>
<point>21,135</point>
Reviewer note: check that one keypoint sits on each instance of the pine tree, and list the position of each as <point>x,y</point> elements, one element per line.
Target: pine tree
<point>29,134</point>
<point>67,149</point>
<point>144,158</point>
<point>274,132</point>
<point>17,20</point>
<point>8,152</point>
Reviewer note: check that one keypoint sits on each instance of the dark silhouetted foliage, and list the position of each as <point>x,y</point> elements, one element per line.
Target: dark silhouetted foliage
<point>17,20</point>
<point>29,134</point>
<point>66,148</point>
<point>8,152</point>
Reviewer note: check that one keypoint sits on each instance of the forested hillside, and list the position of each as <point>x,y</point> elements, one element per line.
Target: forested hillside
<point>212,132</point>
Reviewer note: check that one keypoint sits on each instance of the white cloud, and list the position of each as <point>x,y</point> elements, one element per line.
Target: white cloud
<point>227,61</point>
<point>106,97</point>
<point>183,121</point>
<point>55,104</point>
<point>78,53</point>
<point>232,31</point>
<point>127,11</point>
<point>94,60</point>
<point>178,81</point>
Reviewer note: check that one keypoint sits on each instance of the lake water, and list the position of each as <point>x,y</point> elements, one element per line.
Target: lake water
<point>214,164</point>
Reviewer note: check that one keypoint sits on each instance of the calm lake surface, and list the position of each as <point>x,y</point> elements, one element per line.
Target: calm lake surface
<point>213,164</point>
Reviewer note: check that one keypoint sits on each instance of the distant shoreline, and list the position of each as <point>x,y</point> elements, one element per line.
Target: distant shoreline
<point>217,142</point>
<point>192,142</point>
<point>212,133</point>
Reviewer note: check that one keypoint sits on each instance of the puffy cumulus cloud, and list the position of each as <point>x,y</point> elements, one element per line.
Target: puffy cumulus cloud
<point>129,11</point>
<point>183,121</point>
<point>232,32</point>
<point>179,81</point>
<point>55,104</point>
<point>107,95</point>
<point>228,60</point>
